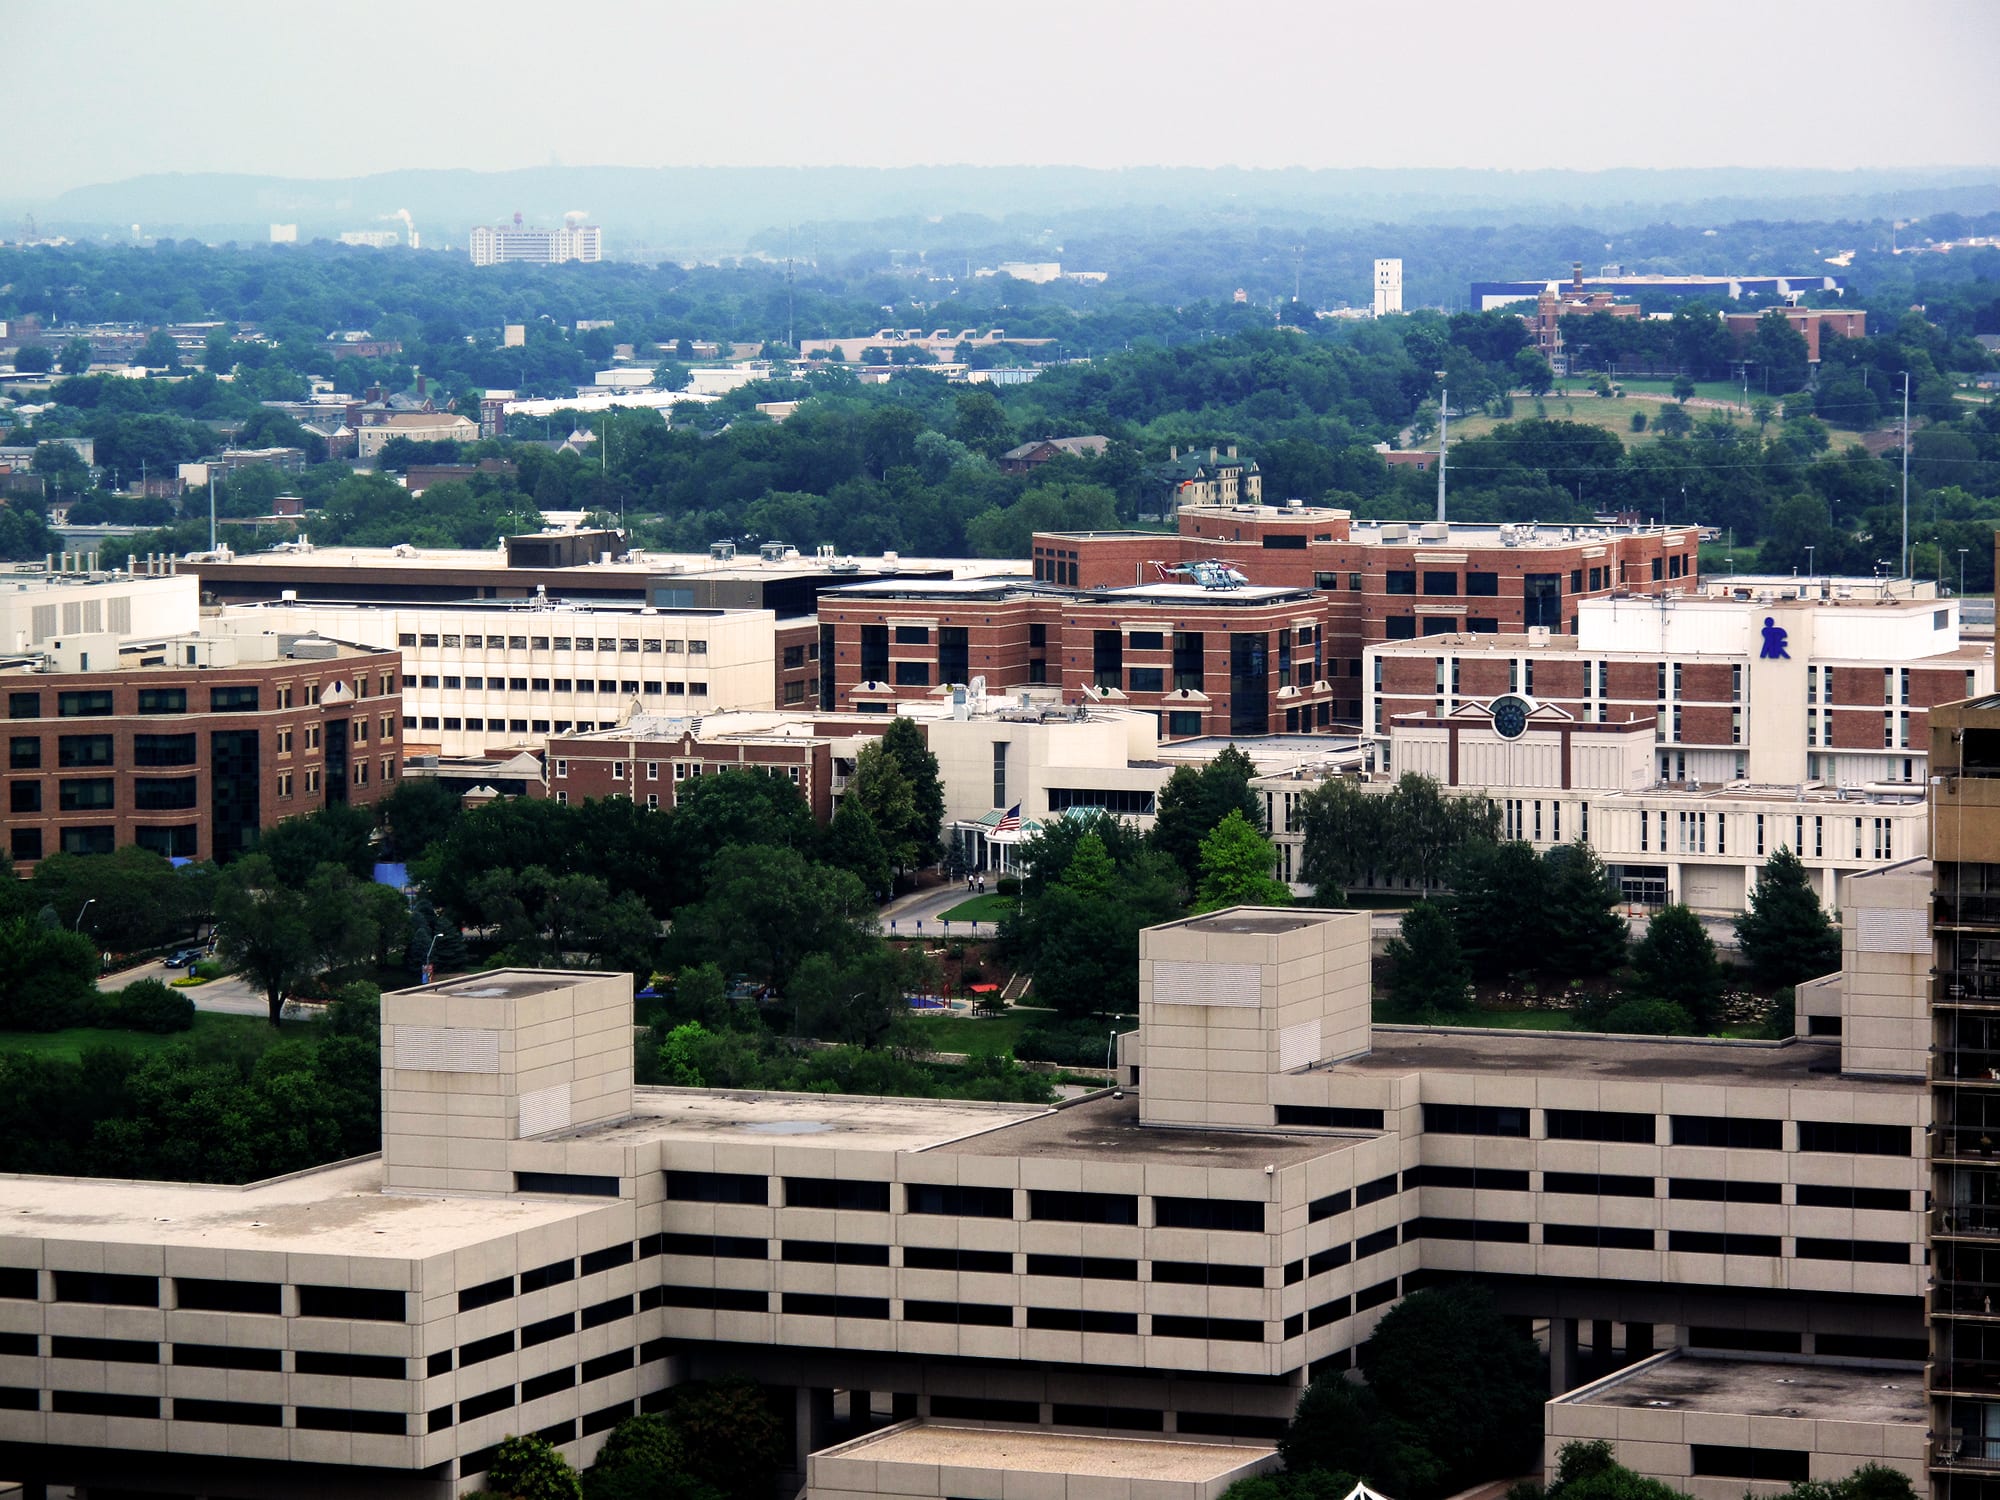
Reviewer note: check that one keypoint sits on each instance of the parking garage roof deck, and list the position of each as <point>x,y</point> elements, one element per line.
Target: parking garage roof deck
<point>810,1120</point>
<point>1797,1063</point>
<point>1108,1128</point>
<point>1764,1388</point>
<point>1011,1450</point>
<point>335,1210</point>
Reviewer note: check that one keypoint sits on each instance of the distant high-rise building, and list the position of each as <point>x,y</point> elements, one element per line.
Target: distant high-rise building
<point>284,234</point>
<point>492,244</point>
<point>1388,287</point>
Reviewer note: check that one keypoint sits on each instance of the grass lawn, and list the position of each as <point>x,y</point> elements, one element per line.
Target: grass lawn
<point>1615,416</point>
<point>209,1026</point>
<point>975,1037</point>
<point>1704,390</point>
<point>980,909</point>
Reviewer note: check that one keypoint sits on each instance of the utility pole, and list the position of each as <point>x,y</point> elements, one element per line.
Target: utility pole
<point>1906,473</point>
<point>211,510</point>
<point>1444,405</point>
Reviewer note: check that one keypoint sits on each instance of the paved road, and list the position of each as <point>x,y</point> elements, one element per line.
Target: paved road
<point>231,996</point>
<point>900,918</point>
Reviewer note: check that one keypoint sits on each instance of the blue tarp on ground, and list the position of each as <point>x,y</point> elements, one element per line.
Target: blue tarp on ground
<point>397,877</point>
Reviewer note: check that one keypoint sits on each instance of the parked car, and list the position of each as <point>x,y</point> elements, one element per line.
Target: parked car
<point>186,958</point>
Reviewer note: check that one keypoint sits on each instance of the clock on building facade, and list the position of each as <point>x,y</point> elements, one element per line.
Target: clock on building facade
<point>1510,715</point>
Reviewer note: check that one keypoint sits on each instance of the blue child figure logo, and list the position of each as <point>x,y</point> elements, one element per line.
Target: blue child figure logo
<point>1774,642</point>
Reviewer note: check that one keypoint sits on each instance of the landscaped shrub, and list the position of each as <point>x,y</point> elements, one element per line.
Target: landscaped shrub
<point>147,1005</point>
<point>1073,1044</point>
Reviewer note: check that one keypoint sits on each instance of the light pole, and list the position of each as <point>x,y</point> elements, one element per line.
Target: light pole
<point>1444,406</point>
<point>77,925</point>
<point>1961,571</point>
<point>1906,473</point>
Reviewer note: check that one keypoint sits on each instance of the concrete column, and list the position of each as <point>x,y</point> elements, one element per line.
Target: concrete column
<point>1563,1362</point>
<point>1638,1341</point>
<point>813,1415</point>
<point>1601,1349</point>
<point>903,1406</point>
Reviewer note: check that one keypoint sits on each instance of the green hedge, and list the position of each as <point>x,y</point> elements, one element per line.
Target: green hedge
<point>1071,1044</point>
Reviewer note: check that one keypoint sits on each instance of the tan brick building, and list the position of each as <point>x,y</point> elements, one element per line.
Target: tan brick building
<point>544,1248</point>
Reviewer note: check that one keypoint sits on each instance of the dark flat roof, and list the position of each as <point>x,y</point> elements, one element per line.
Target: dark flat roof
<point>1108,1129</point>
<point>1794,1064</point>
<point>1766,1388</point>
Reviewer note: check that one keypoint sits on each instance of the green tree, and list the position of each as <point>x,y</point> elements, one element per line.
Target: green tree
<point>857,1000</point>
<point>1430,972</point>
<point>1869,1482</point>
<point>1780,350</point>
<point>417,814</point>
<point>529,1468</point>
<point>75,357</point>
<point>1785,935</point>
<point>135,898</point>
<point>1193,802</point>
<point>733,1440</point>
<point>1234,868</point>
<point>1583,934</point>
<point>1498,892</point>
<point>980,422</point>
<point>1683,388</point>
<point>159,352</point>
<point>905,741</point>
<point>853,845</point>
<point>1676,962</point>
<point>48,975</point>
<point>1079,934</point>
<point>766,909</point>
<point>1342,1427</point>
<point>1342,829</point>
<point>731,811</point>
<point>1468,1383</point>
<point>644,1459</point>
<point>1532,372</point>
<point>34,359</point>
<point>1762,409</point>
<point>1588,1471</point>
<point>282,934</point>
<point>342,834</point>
<point>1674,421</point>
<point>1007,531</point>
<point>883,789</point>
<point>218,352</point>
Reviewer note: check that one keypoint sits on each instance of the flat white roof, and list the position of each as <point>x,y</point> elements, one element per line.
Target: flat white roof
<point>830,1120</point>
<point>1043,1452</point>
<point>336,1210</point>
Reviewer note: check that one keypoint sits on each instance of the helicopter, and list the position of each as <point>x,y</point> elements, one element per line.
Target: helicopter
<point>1212,574</point>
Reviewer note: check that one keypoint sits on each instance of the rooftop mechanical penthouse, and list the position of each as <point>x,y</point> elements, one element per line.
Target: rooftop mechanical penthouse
<point>541,1247</point>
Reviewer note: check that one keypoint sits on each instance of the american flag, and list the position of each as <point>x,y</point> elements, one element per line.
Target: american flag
<point>1010,821</point>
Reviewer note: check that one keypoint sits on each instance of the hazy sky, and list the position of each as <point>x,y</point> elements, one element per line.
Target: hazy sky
<point>104,89</point>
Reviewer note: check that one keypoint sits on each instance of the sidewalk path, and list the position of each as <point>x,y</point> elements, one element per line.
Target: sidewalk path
<point>902,916</point>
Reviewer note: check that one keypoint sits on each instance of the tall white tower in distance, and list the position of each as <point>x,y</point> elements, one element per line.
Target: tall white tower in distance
<point>1388,287</point>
